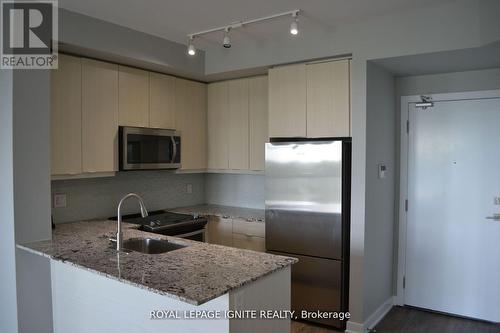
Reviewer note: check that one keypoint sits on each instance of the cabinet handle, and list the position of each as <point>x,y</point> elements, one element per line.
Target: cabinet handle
<point>495,217</point>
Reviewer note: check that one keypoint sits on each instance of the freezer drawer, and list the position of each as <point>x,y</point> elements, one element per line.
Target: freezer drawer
<point>307,233</point>
<point>316,285</point>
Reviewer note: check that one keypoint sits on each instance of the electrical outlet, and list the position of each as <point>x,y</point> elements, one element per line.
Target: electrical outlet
<point>189,188</point>
<point>497,201</point>
<point>59,200</point>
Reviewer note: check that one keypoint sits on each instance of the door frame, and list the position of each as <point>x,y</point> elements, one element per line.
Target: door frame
<point>403,171</point>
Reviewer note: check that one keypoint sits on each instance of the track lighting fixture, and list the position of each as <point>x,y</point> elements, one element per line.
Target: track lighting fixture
<point>294,26</point>
<point>226,42</point>
<point>191,50</point>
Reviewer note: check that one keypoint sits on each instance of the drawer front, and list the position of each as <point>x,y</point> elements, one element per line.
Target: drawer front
<point>220,231</point>
<point>245,227</point>
<point>249,242</point>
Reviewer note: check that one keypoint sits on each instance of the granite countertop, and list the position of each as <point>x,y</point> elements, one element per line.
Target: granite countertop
<point>195,274</point>
<point>249,214</point>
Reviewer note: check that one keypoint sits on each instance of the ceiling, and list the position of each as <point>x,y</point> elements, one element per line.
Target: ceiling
<point>173,19</point>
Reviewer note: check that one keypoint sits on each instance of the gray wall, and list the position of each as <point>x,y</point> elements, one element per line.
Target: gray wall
<point>380,193</point>
<point>8,304</point>
<point>99,197</point>
<point>235,190</point>
<point>486,79</point>
<point>31,165</point>
<point>92,37</point>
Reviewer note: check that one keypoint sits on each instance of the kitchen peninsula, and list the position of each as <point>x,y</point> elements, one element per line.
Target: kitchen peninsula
<point>108,291</point>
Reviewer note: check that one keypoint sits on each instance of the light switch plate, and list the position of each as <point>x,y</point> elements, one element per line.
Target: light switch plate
<point>497,201</point>
<point>382,170</point>
<point>189,188</point>
<point>60,200</point>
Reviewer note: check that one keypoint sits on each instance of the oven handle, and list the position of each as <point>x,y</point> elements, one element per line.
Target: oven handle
<point>189,234</point>
<point>174,147</point>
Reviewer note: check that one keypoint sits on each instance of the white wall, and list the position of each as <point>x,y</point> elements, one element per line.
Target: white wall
<point>380,193</point>
<point>8,304</point>
<point>235,190</point>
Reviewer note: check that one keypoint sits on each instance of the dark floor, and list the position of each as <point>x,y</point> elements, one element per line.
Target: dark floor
<point>410,320</point>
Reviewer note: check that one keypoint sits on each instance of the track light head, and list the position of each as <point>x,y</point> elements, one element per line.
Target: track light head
<point>226,42</point>
<point>294,26</point>
<point>191,50</point>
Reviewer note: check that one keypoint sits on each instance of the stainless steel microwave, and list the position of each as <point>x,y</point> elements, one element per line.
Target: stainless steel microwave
<point>149,148</point>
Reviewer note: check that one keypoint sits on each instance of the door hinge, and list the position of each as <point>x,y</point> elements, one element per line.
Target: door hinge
<point>404,282</point>
<point>407,126</point>
<point>406,205</point>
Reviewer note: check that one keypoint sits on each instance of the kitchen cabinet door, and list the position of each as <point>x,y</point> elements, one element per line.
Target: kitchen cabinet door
<point>218,125</point>
<point>99,116</point>
<point>287,101</point>
<point>220,231</point>
<point>191,122</point>
<point>66,117</point>
<point>133,97</point>
<point>238,141</point>
<point>328,99</point>
<point>257,109</point>
<point>161,101</point>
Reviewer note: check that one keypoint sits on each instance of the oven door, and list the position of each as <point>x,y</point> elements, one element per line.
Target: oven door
<point>149,148</point>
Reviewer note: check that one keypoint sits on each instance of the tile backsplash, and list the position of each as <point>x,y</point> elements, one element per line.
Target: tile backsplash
<point>99,197</point>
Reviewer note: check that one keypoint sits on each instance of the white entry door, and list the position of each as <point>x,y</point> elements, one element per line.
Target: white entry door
<point>452,249</point>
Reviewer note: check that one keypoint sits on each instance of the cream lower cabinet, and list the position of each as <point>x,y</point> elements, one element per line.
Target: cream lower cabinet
<point>133,97</point>
<point>99,116</point>
<point>237,233</point>
<point>310,100</point>
<point>220,231</point>
<point>249,235</point>
<point>66,117</point>
<point>191,122</point>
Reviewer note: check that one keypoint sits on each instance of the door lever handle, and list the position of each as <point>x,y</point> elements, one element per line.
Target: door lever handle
<point>495,217</point>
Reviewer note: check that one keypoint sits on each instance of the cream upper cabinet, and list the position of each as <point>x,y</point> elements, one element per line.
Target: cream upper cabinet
<point>99,116</point>
<point>238,140</point>
<point>133,97</point>
<point>191,121</point>
<point>328,99</point>
<point>287,101</point>
<point>257,110</point>
<point>161,101</point>
<point>66,117</point>
<point>218,125</point>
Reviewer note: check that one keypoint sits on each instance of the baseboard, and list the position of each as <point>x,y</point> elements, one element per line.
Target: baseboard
<point>372,320</point>
<point>353,327</point>
<point>379,314</point>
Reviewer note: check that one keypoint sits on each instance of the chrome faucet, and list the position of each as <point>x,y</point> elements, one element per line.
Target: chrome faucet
<point>144,213</point>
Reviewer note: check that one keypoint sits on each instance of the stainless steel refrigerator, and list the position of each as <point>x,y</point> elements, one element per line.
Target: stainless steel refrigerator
<point>307,217</point>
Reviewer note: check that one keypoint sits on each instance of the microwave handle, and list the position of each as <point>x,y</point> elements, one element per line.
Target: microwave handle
<point>174,147</point>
